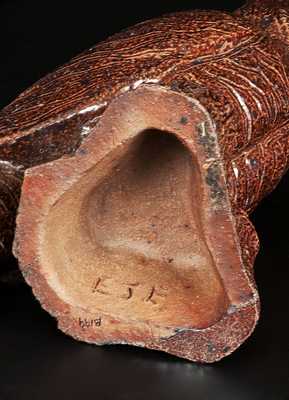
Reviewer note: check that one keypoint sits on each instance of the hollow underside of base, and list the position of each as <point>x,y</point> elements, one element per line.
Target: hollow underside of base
<point>131,243</point>
<point>121,248</point>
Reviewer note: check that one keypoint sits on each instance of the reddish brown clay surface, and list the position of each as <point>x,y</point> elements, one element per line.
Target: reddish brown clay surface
<point>138,163</point>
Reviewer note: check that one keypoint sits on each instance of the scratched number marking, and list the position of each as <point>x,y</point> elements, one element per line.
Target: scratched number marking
<point>130,290</point>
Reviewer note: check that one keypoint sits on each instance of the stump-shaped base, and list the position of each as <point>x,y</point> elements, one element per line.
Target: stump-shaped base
<point>132,240</point>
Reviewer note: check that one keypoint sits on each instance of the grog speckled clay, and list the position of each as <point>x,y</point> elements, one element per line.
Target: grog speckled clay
<point>132,171</point>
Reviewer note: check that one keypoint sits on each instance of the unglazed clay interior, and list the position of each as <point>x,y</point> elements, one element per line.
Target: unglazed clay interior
<point>126,239</point>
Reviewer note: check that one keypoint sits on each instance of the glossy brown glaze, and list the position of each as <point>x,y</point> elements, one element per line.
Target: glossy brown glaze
<point>235,69</point>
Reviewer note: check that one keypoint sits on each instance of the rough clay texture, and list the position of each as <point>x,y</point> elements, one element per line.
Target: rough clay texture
<point>236,66</point>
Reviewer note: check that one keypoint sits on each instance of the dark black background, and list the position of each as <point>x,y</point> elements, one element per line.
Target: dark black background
<point>39,362</point>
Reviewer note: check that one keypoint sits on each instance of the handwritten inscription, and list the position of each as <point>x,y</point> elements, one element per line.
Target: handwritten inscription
<point>130,290</point>
<point>86,323</point>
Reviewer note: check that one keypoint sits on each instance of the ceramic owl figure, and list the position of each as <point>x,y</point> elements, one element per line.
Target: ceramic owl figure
<point>127,177</point>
